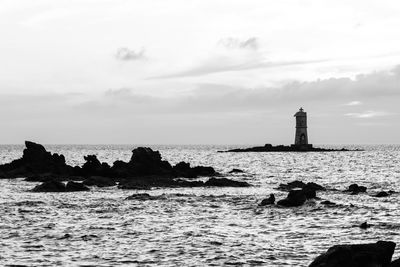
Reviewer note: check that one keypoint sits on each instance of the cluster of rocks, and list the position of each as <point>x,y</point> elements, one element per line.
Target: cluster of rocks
<point>145,169</point>
<point>299,192</point>
<point>377,254</point>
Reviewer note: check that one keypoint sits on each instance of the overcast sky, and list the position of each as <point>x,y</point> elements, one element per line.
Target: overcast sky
<point>199,72</point>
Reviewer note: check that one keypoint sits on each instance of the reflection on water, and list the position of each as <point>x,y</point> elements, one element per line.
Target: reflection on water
<point>201,226</point>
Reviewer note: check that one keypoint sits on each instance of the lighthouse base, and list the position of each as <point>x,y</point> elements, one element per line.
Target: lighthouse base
<point>302,147</point>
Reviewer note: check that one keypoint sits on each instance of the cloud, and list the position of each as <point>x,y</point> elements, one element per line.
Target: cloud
<point>226,64</point>
<point>353,103</point>
<point>368,114</point>
<point>126,54</point>
<point>235,43</point>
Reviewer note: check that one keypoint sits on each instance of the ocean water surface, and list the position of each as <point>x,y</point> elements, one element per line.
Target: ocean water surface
<point>202,226</point>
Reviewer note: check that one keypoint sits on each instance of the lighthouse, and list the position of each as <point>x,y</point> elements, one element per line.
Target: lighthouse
<point>301,137</point>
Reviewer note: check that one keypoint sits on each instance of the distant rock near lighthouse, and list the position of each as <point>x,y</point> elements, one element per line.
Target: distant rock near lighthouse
<point>300,142</point>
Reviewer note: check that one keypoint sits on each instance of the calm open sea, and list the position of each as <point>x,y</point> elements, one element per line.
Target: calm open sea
<point>201,226</point>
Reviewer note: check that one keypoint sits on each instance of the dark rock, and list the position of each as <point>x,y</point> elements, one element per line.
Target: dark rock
<point>236,171</point>
<point>225,182</point>
<point>300,184</point>
<point>282,148</point>
<point>377,254</point>
<point>268,201</point>
<point>382,194</point>
<point>99,181</point>
<point>36,160</point>
<point>93,167</point>
<point>145,161</point>
<point>315,186</point>
<point>309,192</point>
<point>50,186</point>
<point>133,185</point>
<point>354,189</point>
<point>204,171</point>
<point>147,182</point>
<point>292,185</point>
<point>74,186</point>
<point>365,225</point>
<point>142,196</point>
<point>183,169</point>
<point>395,263</point>
<point>66,236</point>
<point>295,198</point>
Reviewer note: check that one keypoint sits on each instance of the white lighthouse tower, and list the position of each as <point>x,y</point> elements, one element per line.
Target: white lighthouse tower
<point>301,137</point>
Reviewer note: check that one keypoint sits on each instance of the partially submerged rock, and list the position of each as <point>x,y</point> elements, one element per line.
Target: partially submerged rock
<point>299,193</point>
<point>225,182</point>
<point>365,225</point>
<point>382,194</point>
<point>50,186</point>
<point>295,198</point>
<point>236,171</point>
<point>57,186</point>
<point>183,169</point>
<point>268,201</point>
<point>300,184</point>
<point>354,189</point>
<point>99,181</point>
<point>74,186</point>
<point>377,254</point>
<point>141,196</point>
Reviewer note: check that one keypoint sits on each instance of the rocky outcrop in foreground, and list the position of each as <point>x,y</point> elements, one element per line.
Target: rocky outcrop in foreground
<point>377,254</point>
<point>145,169</point>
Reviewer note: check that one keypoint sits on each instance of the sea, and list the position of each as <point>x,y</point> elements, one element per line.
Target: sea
<point>202,226</point>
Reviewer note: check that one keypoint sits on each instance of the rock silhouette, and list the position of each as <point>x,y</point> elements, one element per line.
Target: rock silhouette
<point>144,170</point>
<point>354,189</point>
<point>295,198</point>
<point>57,186</point>
<point>382,194</point>
<point>283,148</point>
<point>50,186</point>
<point>268,201</point>
<point>74,186</point>
<point>236,171</point>
<point>99,181</point>
<point>36,160</point>
<point>359,255</point>
<point>302,185</point>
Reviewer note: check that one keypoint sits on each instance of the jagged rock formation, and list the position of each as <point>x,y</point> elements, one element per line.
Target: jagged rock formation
<point>145,169</point>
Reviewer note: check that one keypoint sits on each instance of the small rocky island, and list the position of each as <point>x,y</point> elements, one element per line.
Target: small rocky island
<point>282,148</point>
<point>145,170</point>
<point>300,144</point>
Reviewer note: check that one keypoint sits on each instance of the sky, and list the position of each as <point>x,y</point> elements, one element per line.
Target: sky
<point>199,72</point>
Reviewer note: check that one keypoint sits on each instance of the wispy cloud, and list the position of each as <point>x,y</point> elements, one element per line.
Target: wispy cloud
<point>224,64</point>
<point>367,114</point>
<point>236,43</point>
<point>353,103</point>
<point>126,54</point>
